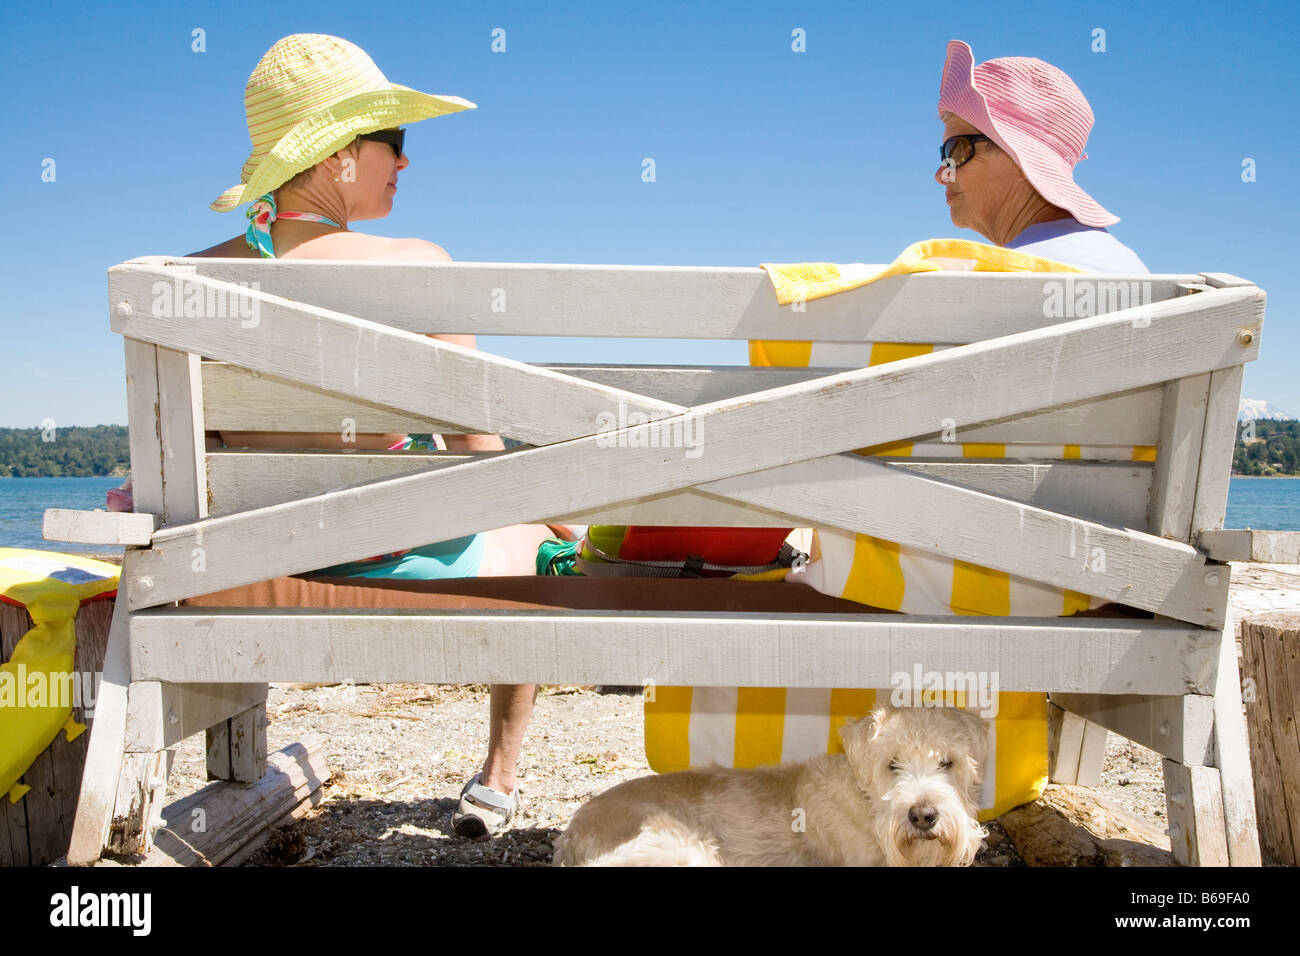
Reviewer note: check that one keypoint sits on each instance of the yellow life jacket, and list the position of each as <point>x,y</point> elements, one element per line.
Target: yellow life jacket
<point>37,683</point>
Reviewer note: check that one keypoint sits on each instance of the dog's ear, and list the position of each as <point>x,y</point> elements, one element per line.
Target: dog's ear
<point>975,734</point>
<point>858,733</point>
<point>856,736</point>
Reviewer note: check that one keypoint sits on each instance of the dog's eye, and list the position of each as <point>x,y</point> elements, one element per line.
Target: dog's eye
<point>895,767</point>
<point>946,765</point>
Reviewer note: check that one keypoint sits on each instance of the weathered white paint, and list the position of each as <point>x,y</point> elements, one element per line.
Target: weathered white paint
<point>1194,796</point>
<point>1110,493</point>
<point>1214,471</point>
<point>623,647</point>
<point>1232,755</point>
<point>97,527</point>
<point>1084,358</point>
<point>162,715</point>
<point>1178,457</point>
<point>654,301</point>
<point>1180,728</point>
<point>858,494</point>
<point>379,364</point>
<point>142,413</point>
<point>1235,544</point>
<point>238,399</point>
<point>104,756</point>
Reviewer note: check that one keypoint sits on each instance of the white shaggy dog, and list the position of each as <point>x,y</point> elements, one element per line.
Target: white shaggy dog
<point>903,793</point>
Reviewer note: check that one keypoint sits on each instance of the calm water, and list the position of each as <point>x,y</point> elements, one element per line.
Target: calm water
<point>1270,503</point>
<point>22,509</point>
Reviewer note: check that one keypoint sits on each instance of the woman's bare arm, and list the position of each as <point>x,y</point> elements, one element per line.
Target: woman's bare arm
<point>370,441</point>
<point>419,250</point>
<point>400,250</point>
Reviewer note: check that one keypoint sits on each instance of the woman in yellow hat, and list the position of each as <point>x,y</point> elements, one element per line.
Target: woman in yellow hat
<point>327,150</point>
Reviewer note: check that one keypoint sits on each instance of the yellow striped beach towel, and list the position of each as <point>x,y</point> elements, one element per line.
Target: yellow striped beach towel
<point>748,726</point>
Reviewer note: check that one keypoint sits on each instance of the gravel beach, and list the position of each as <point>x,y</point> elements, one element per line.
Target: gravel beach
<point>400,753</point>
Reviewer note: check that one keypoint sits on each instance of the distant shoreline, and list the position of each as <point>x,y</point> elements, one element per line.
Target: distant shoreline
<point>78,477</point>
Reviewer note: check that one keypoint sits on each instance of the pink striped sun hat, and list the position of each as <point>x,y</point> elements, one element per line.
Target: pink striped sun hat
<point>1032,111</point>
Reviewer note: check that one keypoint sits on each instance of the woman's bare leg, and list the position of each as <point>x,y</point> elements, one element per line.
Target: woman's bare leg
<point>509,551</point>
<point>512,706</point>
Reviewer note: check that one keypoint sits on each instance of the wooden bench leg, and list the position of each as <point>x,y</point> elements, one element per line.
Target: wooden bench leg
<point>116,805</point>
<point>1194,801</point>
<point>1076,748</point>
<point>237,747</point>
<point>1232,756</point>
<point>137,809</point>
<point>123,786</point>
<point>1092,754</point>
<point>1212,809</point>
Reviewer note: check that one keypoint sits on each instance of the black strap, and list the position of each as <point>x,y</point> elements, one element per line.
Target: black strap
<point>693,567</point>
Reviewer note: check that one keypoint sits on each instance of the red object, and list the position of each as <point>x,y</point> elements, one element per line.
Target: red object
<point>729,546</point>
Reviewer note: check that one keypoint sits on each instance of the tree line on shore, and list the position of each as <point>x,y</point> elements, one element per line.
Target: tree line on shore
<point>1264,447</point>
<point>1267,447</point>
<point>77,451</point>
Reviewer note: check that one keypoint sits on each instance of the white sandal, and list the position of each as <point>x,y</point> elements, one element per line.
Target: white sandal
<point>482,810</point>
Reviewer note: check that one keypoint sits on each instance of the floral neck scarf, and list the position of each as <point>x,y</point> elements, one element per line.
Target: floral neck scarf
<point>260,216</point>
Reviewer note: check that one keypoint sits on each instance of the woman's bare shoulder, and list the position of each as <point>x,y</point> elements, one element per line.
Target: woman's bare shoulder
<point>338,245</point>
<point>235,248</point>
<point>420,250</point>
<point>356,245</point>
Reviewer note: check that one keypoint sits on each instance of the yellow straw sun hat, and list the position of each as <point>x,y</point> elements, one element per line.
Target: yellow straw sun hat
<point>310,96</point>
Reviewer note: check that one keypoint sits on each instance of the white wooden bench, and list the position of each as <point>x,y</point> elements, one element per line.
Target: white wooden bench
<point>329,346</point>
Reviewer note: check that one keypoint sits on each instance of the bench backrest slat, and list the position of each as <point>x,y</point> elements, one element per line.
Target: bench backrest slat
<point>238,400</point>
<point>684,302</point>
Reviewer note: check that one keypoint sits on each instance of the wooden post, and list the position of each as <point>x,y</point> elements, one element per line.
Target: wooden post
<point>35,831</point>
<point>237,746</point>
<point>1270,646</point>
<point>1194,805</point>
<point>1076,748</point>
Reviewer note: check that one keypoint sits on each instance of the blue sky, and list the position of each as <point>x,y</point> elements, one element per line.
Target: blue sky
<point>762,154</point>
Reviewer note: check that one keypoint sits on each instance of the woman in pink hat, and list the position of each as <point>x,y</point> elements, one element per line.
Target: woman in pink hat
<point>1013,128</point>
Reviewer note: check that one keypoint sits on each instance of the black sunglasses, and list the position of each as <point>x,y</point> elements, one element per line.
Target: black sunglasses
<point>393,137</point>
<point>959,150</point>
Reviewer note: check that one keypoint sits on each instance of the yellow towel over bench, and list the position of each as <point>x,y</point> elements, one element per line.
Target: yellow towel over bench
<point>748,726</point>
<point>815,280</point>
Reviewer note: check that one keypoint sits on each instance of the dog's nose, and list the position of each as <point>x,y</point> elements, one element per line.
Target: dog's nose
<point>923,817</point>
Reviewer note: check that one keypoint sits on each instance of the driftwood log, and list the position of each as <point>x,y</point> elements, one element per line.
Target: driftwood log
<point>226,821</point>
<point>1074,826</point>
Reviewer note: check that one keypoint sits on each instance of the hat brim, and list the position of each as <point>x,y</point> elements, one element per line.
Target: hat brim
<point>327,131</point>
<point>1047,172</point>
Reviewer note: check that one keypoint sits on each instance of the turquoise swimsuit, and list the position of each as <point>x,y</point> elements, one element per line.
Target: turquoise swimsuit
<point>457,558</point>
